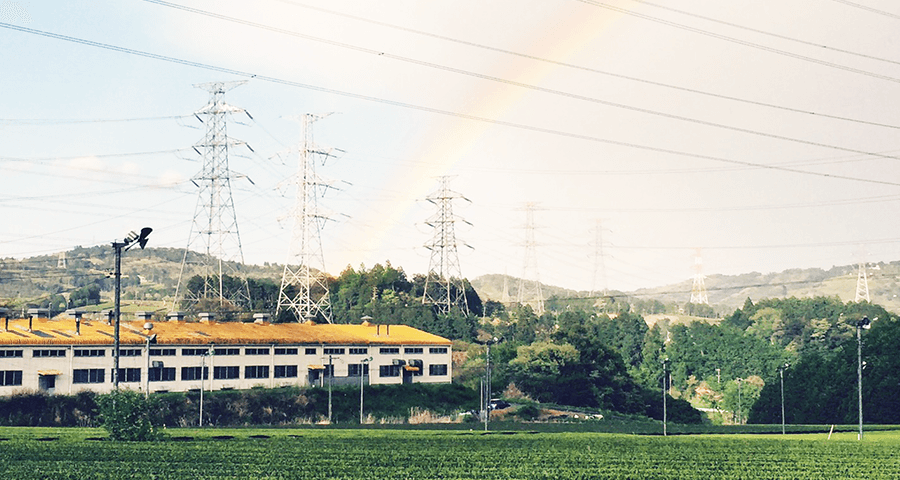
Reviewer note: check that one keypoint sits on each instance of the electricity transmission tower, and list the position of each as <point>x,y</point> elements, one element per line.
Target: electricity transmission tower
<point>444,284</point>
<point>214,230</point>
<point>529,287</point>
<point>599,260</point>
<point>862,284</point>
<point>61,261</point>
<point>304,290</point>
<point>698,289</point>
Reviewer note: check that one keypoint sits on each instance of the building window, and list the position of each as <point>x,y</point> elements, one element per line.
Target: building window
<point>389,371</point>
<point>389,350</point>
<point>359,351</point>
<point>310,351</point>
<point>334,351</point>
<point>164,374</point>
<point>413,350</point>
<point>437,370</point>
<point>91,353</point>
<point>328,371</point>
<point>437,350</point>
<point>11,353</point>
<point>49,353</point>
<point>256,371</point>
<point>162,352</point>
<point>285,351</point>
<point>256,351</point>
<point>129,375</point>
<point>93,375</point>
<point>416,368</point>
<point>193,373</point>
<point>130,352</point>
<point>285,371</point>
<point>226,351</point>
<point>354,368</point>
<point>10,377</point>
<point>194,352</point>
<point>225,373</point>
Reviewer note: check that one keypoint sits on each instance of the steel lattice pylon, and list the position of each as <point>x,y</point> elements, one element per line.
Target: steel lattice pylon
<point>214,230</point>
<point>698,288</point>
<point>444,286</point>
<point>529,287</point>
<point>304,290</point>
<point>862,284</point>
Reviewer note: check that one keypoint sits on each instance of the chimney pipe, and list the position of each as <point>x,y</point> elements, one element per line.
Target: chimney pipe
<point>377,330</point>
<point>30,319</point>
<point>387,330</point>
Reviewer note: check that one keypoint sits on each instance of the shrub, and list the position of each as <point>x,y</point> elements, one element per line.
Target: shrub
<point>126,415</point>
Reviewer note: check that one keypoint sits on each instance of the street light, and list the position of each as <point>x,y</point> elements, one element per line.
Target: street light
<point>361,373</point>
<point>131,240</point>
<point>864,323</point>
<point>781,373</point>
<point>486,391</point>
<point>665,363</point>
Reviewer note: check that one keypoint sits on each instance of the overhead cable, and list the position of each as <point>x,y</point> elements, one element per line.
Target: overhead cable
<point>437,111</point>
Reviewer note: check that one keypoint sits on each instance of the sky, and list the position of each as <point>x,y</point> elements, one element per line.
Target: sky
<point>760,136</point>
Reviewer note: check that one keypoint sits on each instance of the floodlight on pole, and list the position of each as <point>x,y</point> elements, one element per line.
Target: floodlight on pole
<point>860,325</point>
<point>665,379</point>
<point>781,370</point>
<point>362,372</point>
<point>131,240</point>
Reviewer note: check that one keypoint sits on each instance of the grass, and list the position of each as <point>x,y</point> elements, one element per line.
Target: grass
<point>316,452</point>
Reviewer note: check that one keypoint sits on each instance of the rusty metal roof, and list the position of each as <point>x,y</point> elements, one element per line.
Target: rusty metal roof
<point>61,331</point>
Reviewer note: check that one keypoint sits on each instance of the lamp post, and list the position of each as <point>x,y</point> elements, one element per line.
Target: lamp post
<point>486,406</point>
<point>202,380</point>
<point>131,240</point>
<point>330,373</point>
<point>150,339</point>
<point>860,325</point>
<point>665,363</point>
<point>781,373</point>
<point>361,375</point>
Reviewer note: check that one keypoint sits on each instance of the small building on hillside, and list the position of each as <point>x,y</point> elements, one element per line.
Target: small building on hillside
<point>72,354</point>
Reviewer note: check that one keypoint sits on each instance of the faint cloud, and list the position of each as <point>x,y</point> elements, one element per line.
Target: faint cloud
<point>171,177</point>
<point>14,12</point>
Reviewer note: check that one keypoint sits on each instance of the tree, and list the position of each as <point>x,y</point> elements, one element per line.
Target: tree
<point>127,415</point>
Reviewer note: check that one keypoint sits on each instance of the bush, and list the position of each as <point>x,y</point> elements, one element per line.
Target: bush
<point>528,412</point>
<point>126,415</point>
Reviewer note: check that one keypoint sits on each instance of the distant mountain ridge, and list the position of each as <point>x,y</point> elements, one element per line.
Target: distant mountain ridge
<point>153,273</point>
<point>728,292</point>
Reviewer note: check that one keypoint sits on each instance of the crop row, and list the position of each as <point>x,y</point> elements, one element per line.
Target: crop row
<point>414,454</point>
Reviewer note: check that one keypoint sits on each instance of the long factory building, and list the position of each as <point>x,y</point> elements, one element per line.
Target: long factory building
<point>67,354</point>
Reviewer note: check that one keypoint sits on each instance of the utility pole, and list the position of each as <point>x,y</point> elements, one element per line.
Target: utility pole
<point>444,286</point>
<point>665,382</point>
<point>304,289</point>
<point>860,325</point>
<point>214,229</point>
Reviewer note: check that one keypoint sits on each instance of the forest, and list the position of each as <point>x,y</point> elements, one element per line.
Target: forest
<point>594,352</point>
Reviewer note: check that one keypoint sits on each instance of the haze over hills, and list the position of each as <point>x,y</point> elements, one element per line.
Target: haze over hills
<point>727,292</point>
<point>152,274</point>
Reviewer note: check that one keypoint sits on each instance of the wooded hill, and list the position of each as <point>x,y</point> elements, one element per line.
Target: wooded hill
<point>727,292</point>
<point>152,275</point>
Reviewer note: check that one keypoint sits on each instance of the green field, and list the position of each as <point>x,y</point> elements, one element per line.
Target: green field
<point>61,453</point>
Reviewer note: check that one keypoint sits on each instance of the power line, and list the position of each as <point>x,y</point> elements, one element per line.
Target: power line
<point>536,88</point>
<point>64,121</point>
<point>741,42</point>
<point>437,111</point>
<point>588,69</point>
<point>868,8</point>
<point>770,34</point>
